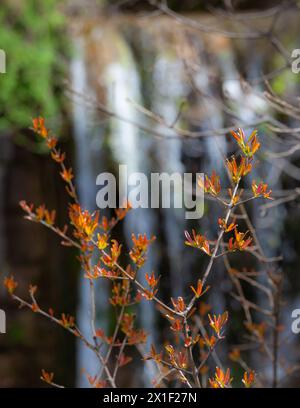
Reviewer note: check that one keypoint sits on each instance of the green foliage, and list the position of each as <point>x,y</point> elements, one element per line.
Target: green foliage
<point>31,34</point>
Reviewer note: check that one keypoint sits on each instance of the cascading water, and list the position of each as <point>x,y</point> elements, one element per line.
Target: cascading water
<point>214,149</point>
<point>168,90</point>
<point>249,107</point>
<point>129,148</point>
<point>214,146</point>
<point>88,157</point>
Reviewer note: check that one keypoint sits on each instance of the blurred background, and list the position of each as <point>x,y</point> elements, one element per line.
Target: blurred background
<point>155,86</point>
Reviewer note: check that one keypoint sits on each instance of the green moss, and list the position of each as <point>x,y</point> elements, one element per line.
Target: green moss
<point>31,34</point>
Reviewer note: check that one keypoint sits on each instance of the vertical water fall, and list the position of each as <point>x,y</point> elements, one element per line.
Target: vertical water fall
<point>168,91</point>
<point>129,147</point>
<point>87,148</point>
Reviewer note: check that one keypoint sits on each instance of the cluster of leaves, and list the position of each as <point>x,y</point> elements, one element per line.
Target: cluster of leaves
<point>237,169</point>
<point>196,332</point>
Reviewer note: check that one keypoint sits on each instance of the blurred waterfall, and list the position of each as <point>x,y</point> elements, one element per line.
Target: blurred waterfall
<point>249,107</point>
<point>88,159</point>
<point>214,150</point>
<point>129,147</point>
<point>214,146</point>
<point>168,92</point>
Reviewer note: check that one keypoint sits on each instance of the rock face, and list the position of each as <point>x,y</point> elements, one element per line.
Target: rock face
<point>33,255</point>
